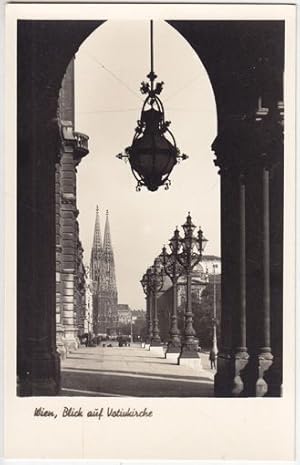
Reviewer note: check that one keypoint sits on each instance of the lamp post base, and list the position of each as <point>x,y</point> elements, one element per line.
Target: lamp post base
<point>172,350</point>
<point>157,348</point>
<point>155,342</point>
<point>189,356</point>
<point>191,362</point>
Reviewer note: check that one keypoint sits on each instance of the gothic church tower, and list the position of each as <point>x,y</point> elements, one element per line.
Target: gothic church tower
<point>96,254</point>
<point>105,295</point>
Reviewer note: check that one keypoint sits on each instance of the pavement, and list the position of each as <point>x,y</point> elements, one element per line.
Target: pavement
<point>132,372</point>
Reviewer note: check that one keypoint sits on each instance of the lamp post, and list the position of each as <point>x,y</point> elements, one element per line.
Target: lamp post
<point>214,341</point>
<point>131,334</point>
<point>174,270</point>
<point>146,284</point>
<point>188,251</point>
<point>157,282</point>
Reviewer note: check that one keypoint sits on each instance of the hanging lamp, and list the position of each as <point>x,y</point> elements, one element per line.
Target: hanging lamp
<point>153,152</point>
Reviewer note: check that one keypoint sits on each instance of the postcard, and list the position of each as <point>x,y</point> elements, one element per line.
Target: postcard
<point>150,231</point>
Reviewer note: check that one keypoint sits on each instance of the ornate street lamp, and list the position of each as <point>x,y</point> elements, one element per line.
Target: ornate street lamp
<point>153,152</point>
<point>188,251</point>
<point>156,283</point>
<point>146,284</point>
<point>174,270</point>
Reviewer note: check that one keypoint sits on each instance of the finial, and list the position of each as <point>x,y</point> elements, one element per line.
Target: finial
<point>97,209</point>
<point>106,212</point>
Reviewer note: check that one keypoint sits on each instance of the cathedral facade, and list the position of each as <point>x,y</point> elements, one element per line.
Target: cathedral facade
<point>103,276</point>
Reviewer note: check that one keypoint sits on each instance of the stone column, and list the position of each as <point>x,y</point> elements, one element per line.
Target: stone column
<point>40,70</point>
<point>38,363</point>
<point>249,153</point>
<point>233,355</point>
<point>265,357</point>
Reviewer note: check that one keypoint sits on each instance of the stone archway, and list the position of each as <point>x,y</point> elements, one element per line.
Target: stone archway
<point>244,60</point>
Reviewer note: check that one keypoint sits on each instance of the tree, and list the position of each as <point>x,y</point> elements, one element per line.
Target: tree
<point>203,315</point>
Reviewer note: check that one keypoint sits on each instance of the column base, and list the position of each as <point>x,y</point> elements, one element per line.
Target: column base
<point>265,361</point>
<point>70,342</point>
<point>230,376</point>
<point>70,345</point>
<point>60,347</point>
<point>258,376</point>
<point>273,378</point>
<point>40,376</point>
<point>61,350</point>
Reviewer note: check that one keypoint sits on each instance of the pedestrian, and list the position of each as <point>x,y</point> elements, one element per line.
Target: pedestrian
<point>212,358</point>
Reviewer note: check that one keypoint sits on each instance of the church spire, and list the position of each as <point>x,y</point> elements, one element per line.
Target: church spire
<point>107,241</point>
<point>96,254</point>
<point>97,242</point>
<point>108,259</point>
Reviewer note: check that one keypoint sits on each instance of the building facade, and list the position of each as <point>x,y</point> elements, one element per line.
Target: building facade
<point>70,271</point>
<point>124,314</point>
<point>103,276</point>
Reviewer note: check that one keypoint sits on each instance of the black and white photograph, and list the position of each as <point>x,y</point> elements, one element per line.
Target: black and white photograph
<point>152,217</point>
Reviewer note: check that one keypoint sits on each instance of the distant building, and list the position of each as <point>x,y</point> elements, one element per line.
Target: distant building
<point>211,263</point>
<point>88,323</point>
<point>102,269</point>
<point>124,314</point>
<point>203,274</point>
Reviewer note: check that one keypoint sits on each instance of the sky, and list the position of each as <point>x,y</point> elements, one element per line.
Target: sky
<point>109,68</point>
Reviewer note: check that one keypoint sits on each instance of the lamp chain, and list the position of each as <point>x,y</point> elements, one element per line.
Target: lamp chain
<point>151,54</point>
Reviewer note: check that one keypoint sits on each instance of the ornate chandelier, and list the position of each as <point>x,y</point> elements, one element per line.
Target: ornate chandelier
<point>153,152</point>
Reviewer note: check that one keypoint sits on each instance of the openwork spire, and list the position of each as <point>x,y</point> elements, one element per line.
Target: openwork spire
<point>108,260</point>
<point>97,242</point>
<point>96,253</point>
<point>107,239</point>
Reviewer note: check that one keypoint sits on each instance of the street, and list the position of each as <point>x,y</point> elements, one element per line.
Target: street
<point>132,372</point>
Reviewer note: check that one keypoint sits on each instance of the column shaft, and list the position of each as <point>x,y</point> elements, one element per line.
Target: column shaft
<point>38,362</point>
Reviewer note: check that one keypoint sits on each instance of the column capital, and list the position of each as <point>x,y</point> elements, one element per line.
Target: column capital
<point>245,142</point>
